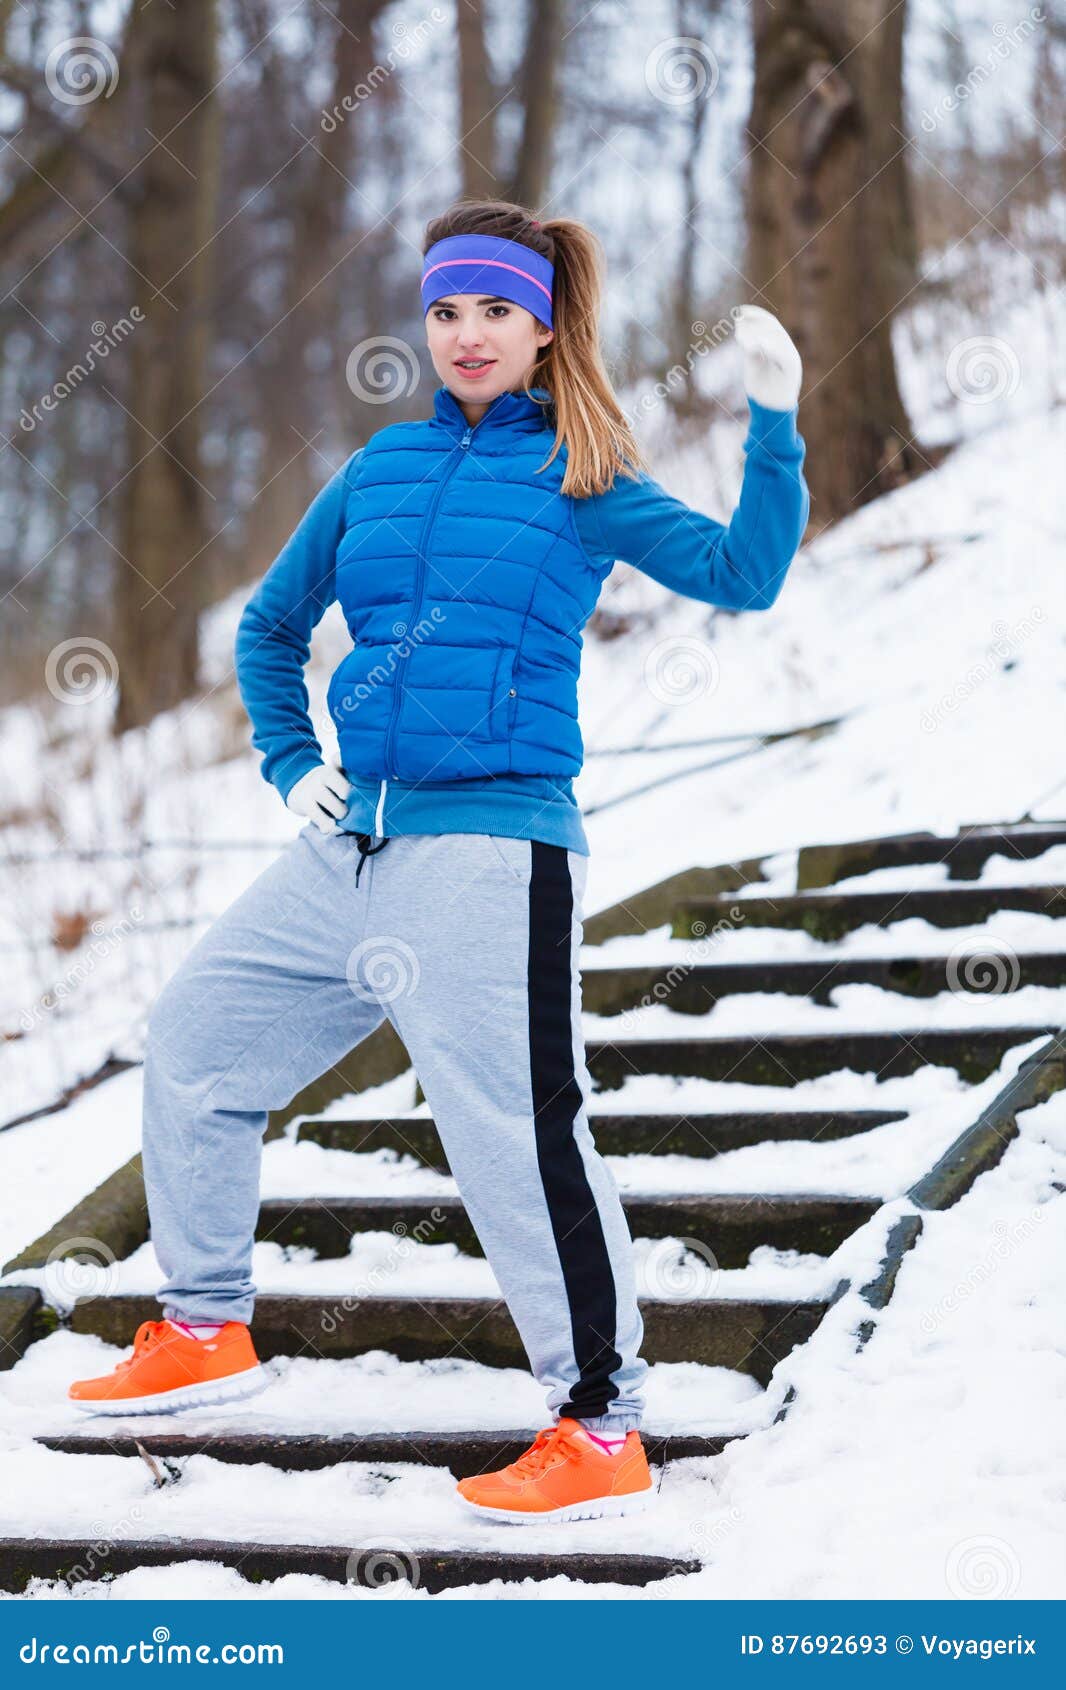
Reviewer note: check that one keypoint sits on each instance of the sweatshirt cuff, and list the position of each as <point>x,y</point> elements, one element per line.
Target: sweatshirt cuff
<point>773,429</point>
<point>293,769</point>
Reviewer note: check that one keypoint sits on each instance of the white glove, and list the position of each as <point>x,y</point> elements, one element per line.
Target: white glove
<point>773,369</point>
<point>321,794</point>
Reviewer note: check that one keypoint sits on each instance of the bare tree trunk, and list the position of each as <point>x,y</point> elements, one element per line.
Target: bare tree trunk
<point>537,92</point>
<point>477,127</point>
<point>164,529</point>
<point>49,202</point>
<point>291,471</point>
<point>689,21</point>
<point>831,244</point>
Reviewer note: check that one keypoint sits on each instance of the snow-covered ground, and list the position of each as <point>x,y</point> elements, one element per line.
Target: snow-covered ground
<point>931,624</point>
<point>929,1464</point>
<point>944,668</point>
<point>368,1393</point>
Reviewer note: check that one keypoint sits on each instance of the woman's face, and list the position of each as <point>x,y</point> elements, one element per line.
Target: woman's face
<point>504,338</point>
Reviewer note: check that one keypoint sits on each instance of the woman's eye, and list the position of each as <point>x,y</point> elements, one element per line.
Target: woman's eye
<point>444,313</point>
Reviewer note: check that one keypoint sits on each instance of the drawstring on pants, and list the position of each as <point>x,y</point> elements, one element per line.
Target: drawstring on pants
<point>367,850</point>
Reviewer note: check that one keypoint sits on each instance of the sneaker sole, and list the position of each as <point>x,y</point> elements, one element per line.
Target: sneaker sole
<point>233,1388</point>
<point>596,1508</point>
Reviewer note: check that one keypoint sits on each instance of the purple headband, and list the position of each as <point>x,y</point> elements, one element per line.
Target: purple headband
<point>488,264</point>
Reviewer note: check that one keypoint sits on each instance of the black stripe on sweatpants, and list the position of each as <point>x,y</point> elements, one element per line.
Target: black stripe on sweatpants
<point>575,1219</point>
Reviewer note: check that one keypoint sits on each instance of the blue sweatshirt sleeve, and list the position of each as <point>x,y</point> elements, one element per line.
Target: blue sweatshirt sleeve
<point>741,566</point>
<point>274,633</point>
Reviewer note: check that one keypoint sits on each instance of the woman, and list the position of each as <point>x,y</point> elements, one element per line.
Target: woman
<point>440,878</point>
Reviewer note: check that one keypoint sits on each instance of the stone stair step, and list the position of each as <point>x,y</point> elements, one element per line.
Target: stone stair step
<point>780,1059</point>
<point>432,1569</point>
<point>731,1225</point>
<point>965,853</point>
<point>749,1335</point>
<point>462,1453</point>
<point>615,1135</point>
<point>828,916</point>
<point>21,1311</point>
<point>695,990</point>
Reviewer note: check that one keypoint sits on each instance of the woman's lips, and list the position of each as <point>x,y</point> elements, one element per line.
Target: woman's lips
<point>472,375</point>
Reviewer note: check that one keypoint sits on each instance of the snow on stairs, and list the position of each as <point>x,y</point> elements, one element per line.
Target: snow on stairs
<point>738,1224</point>
<point>964,855</point>
<point>688,1134</point>
<point>784,1060</point>
<point>463,1453</point>
<point>749,1336</point>
<point>74,1559</point>
<point>830,915</point>
<point>695,990</point>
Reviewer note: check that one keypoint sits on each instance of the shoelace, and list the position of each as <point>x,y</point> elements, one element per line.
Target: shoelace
<point>549,1440</point>
<point>148,1333</point>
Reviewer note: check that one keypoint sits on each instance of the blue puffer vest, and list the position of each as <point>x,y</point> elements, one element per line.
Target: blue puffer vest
<point>465,590</point>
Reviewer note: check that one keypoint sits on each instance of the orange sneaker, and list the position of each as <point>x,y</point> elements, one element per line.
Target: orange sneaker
<point>563,1475</point>
<point>168,1371</point>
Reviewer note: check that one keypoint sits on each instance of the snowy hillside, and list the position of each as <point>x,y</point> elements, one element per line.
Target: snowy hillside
<point>927,630</point>
<point>924,640</point>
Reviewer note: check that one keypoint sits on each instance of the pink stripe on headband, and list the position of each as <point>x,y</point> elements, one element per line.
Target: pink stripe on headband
<point>496,263</point>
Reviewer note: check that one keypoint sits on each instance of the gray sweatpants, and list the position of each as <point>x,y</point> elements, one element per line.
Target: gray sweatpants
<point>469,943</point>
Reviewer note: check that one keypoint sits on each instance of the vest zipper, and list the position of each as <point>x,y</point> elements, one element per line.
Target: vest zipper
<point>423,544</point>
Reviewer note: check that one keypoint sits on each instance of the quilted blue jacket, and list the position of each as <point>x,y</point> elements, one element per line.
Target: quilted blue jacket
<point>466,578</point>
